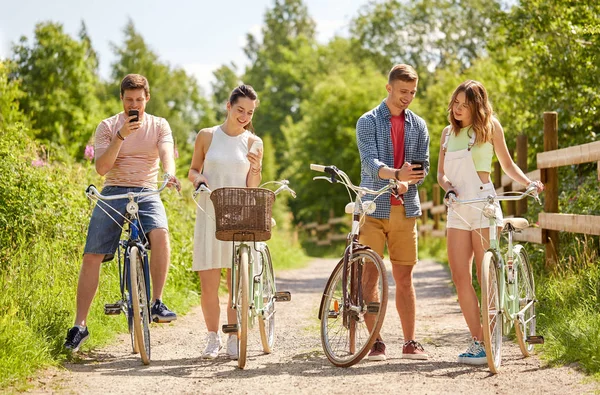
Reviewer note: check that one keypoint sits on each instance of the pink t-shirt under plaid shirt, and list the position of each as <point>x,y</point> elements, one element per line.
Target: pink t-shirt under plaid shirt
<point>137,163</point>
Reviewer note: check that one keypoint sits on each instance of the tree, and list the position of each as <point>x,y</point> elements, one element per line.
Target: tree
<point>226,79</point>
<point>282,68</point>
<point>174,95</point>
<point>554,49</point>
<point>327,135</point>
<point>427,34</point>
<point>10,94</point>
<point>59,75</point>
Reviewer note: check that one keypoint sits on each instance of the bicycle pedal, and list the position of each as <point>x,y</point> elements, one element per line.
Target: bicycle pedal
<point>333,314</point>
<point>535,339</point>
<point>112,309</point>
<point>230,328</point>
<point>373,307</point>
<point>283,296</point>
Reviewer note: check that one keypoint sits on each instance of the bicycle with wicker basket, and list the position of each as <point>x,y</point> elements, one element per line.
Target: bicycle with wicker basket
<point>244,217</point>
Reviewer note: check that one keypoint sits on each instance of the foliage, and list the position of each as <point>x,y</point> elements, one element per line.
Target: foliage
<point>429,35</point>
<point>554,47</point>
<point>9,98</point>
<point>327,135</point>
<point>59,75</point>
<point>226,80</point>
<point>281,69</point>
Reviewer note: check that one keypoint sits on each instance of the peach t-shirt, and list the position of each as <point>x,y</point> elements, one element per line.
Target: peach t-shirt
<point>137,163</point>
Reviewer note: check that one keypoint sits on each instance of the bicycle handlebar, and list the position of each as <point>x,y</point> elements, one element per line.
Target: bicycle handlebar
<point>344,179</point>
<point>530,191</point>
<point>283,186</point>
<point>92,192</point>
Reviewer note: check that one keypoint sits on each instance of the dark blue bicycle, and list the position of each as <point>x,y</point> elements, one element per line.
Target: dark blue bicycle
<point>134,271</point>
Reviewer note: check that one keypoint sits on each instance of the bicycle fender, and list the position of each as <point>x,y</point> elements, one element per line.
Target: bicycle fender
<point>358,247</point>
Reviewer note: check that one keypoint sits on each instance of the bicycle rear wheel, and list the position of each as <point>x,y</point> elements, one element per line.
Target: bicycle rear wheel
<point>345,335</point>
<point>266,323</point>
<point>139,304</point>
<point>491,315</point>
<point>525,326</point>
<point>243,305</point>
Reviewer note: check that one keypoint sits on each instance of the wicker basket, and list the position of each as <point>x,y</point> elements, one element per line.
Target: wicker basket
<point>243,214</point>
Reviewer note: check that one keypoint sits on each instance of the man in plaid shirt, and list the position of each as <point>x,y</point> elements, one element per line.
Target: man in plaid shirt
<point>393,142</point>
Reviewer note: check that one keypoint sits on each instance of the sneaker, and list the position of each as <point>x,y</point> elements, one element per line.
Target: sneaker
<point>377,351</point>
<point>413,350</point>
<point>475,354</point>
<point>161,313</point>
<point>75,338</point>
<point>232,347</point>
<point>213,345</point>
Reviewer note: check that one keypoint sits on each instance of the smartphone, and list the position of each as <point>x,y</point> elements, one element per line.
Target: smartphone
<point>135,113</point>
<point>256,146</point>
<point>417,162</point>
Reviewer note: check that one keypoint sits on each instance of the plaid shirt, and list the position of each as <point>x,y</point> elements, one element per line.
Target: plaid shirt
<point>373,135</point>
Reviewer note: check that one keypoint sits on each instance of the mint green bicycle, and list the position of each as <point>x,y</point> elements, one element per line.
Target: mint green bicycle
<point>507,285</point>
<point>243,216</point>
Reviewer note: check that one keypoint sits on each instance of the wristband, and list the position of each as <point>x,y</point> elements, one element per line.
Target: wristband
<point>119,135</point>
<point>450,192</point>
<point>396,176</point>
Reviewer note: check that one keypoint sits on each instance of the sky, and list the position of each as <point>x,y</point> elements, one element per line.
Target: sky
<point>197,35</point>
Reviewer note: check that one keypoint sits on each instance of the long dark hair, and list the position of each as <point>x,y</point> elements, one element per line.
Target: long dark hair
<point>244,91</point>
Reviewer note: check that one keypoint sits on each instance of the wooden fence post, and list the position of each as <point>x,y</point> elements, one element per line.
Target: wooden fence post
<point>497,175</point>
<point>511,207</point>
<point>422,199</point>
<point>522,163</point>
<point>436,202</point>
<point>549,177</point>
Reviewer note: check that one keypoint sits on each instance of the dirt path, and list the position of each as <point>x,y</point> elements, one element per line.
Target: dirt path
<point>298,364</point>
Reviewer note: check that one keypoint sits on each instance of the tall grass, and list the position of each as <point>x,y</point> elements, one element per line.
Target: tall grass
<point>569,309</point>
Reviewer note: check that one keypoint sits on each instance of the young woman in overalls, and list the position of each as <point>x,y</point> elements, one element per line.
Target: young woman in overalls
<point>465,162</point>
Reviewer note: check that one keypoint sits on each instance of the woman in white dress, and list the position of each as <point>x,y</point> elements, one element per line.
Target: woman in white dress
<point>222,158</point>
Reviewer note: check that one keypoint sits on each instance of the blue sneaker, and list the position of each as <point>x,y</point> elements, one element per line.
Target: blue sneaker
<point>160,313</point>
<point>475,354</point>
<point>75,338</point>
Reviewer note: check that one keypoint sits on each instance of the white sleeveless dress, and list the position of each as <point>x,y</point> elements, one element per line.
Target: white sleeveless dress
<point>225,165</point>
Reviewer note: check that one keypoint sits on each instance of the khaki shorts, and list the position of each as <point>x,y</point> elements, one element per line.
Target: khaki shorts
<point>399,232</point>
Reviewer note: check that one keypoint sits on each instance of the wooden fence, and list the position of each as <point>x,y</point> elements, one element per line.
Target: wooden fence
<point>550,221</point>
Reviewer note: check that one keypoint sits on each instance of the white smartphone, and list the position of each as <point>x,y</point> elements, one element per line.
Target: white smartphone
<point>256,146</point>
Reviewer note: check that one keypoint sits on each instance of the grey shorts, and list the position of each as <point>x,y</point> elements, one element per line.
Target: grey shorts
<point>105,229</point>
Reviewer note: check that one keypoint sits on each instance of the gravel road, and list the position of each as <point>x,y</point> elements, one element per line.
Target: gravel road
<point>298,365</point>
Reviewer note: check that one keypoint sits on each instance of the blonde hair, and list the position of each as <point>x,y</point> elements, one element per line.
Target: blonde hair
<point>481,111</point>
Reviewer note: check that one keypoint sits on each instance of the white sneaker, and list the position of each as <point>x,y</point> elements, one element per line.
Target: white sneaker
<point>232,347</point>
<point>213,345</point>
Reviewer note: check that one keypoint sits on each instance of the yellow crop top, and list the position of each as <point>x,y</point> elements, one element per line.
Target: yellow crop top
<point>482,153</point>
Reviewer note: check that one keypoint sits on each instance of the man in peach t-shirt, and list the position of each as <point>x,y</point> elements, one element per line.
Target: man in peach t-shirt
<point>128,153</point>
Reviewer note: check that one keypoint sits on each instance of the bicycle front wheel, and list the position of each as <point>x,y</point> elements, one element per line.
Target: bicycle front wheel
<point>491,315</point>
<point>243,305</point>
<point>350,327</point>
<point>266,323</point>
<point>525,325</point>
<point>139,304</point>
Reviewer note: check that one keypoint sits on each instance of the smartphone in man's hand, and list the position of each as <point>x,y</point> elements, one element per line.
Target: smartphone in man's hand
<point>417,162</point>
<point>134,113</point>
